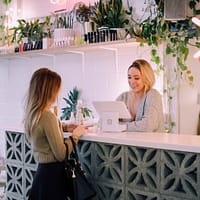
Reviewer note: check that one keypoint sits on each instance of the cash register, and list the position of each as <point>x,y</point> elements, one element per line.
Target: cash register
<point>110,113</point>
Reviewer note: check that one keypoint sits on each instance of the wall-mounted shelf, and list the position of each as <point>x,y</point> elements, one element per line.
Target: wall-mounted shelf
<point>71,49</point>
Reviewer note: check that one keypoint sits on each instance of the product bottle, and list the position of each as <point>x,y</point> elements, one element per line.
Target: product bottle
<point>72,118</point>
<point>79,113</point>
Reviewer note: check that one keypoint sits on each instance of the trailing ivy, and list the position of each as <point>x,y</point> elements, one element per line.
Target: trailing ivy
<point>176,35</point>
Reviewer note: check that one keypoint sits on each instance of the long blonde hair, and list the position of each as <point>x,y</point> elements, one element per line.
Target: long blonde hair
<point>146,71</point>
<point>43,90</point>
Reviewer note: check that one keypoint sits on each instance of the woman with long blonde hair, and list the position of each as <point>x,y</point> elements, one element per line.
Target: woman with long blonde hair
<point>45,133</point>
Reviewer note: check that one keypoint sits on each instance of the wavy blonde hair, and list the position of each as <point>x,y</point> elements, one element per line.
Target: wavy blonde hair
<point>146,71</point>
<point>43,90</point>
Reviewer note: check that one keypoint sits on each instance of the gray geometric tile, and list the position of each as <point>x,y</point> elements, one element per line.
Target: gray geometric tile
<point>172,198</point>
<point>28,179</point>
<point>118,172</point>
<point>14,147</point>
<point>14,185</point>
<point>143,169</point>
<point>108,191</point>
<point>85,151</point>
<point>28,155</point>
<point>13,197</point>
<point>109,163</point>
<point>133,194</point>
<point>180,174</point>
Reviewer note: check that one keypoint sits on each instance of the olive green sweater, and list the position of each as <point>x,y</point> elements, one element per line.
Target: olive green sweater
<point>47,139</point>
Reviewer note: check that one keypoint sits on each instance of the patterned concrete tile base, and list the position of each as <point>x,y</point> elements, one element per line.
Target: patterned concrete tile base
<point>118,172</point>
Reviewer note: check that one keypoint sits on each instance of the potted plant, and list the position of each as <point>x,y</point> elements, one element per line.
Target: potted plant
<point>31,32</point>
<point>111,14</point>
<point>71,101</point>
<point>83,13</point>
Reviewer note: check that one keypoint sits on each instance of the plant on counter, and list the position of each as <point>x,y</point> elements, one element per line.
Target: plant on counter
<point>110,13</point>
<point>71,101</point>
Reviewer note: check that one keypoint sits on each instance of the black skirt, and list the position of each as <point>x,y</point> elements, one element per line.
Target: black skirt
<point>49,182</point>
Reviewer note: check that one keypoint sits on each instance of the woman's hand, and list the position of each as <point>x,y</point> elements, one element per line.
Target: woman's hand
<point>78,132</point>
<point>71,127</point>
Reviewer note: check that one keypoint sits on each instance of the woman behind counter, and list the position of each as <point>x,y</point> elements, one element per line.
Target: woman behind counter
<point>143,102</point>
<point>45,133</point>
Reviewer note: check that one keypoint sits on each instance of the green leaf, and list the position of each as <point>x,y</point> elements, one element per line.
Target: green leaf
<point>157,60</point>
<point>153,52</point>
<point>191,78</point>
<point>168,50</point>
<point>6,2</point>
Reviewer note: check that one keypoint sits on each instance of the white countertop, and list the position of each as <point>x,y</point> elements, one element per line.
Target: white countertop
<point>170,141</point>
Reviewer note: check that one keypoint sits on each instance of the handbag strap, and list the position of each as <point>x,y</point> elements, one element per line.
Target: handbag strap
<point>74,148</point>
<point>67,153</point>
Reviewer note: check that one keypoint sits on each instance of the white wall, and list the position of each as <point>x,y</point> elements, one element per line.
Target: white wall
<point>188,98</point>
<point>100,75</point>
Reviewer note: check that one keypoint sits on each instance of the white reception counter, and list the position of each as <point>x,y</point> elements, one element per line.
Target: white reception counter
<point>170,141</point>
<point>166,165</point>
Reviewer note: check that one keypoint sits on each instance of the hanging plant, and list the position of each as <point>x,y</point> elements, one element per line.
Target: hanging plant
<point>176,35</point>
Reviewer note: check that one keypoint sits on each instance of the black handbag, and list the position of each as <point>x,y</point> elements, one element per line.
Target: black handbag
<point>77,185</point>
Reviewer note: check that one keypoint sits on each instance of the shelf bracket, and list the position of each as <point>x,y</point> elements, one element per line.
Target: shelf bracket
<point>116,55</point>
<point>83,59</point>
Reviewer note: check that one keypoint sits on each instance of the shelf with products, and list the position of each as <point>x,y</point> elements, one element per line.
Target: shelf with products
<point>70,49</point>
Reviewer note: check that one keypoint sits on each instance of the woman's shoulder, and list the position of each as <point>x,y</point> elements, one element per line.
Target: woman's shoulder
<point>154,95</point>
<point>153,92</point>
<point>123,95</point>
<point>48,115</point>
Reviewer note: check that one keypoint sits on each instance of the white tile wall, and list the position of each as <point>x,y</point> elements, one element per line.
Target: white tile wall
<point>99,74</point>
